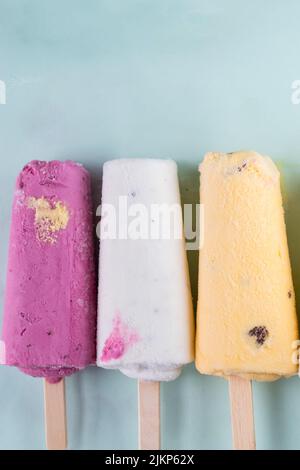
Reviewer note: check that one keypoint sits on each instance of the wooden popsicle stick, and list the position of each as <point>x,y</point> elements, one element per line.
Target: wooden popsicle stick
<point>149,415</point>
<point>242,420</point>
<point>55,415</point>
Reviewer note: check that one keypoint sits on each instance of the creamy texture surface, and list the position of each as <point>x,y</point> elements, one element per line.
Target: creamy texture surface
<point>50,311</point>
<point>246,319</point>
<point>145,319</point>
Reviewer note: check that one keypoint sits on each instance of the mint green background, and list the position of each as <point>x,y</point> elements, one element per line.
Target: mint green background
<point>98,79</point>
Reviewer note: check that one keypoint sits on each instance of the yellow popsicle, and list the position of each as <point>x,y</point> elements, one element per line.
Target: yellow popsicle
<point>246,305</point>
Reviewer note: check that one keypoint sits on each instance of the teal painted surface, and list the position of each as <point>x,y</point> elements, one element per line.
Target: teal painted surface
<point>99,79</point>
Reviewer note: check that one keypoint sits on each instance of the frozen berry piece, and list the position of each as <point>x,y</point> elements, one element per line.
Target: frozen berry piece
<point>242,167</point>
<point>261,333</point>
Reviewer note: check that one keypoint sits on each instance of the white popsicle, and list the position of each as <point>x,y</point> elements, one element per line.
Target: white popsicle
<point>145,319</point>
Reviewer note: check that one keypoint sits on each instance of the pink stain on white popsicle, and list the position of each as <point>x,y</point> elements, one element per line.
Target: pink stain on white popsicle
<point>118,342</point>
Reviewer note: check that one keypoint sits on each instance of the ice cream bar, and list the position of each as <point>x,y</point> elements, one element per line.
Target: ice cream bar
<point>246,306</point>
<point>145,320</point>
<point>49,319</point>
